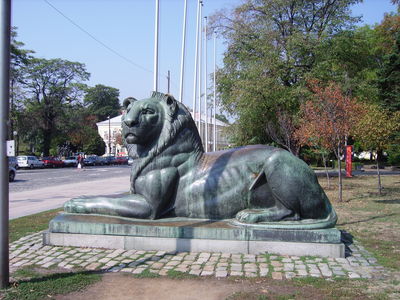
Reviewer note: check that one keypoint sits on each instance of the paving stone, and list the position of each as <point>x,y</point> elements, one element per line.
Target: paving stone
<point>138,270</point>
<point>236,267</point>
<point>276,263</point>
<point>195,272</point>
<point>157,265</point>
<point>206,273</point>
<point>236,273</point>
<point>221,274</point>
<point>338,273</point>
<point>290,275</point>
<point>277,275</point>
<point>288,267</point>
<point>353,275</point>
<point>302,272</point>
<point>264,271</point>
<point>163,272</point>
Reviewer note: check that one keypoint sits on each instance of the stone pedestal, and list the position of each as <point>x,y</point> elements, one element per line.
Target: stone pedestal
<point>192,235</point>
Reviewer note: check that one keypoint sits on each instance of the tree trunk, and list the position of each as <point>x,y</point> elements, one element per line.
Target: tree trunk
<point>379,176</point>
<point>46,142</point>
<point>340,175</point>
<point>326,171</point>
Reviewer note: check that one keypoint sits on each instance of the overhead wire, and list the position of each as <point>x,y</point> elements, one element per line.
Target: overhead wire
<point>97,40</point>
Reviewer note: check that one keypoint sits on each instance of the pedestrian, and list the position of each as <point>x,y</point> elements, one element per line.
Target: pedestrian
<point>80,161</point>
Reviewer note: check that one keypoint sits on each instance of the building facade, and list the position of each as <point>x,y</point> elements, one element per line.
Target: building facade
<point>111,132</point>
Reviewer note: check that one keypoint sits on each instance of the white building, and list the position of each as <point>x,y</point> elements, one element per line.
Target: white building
<point>110,132</point>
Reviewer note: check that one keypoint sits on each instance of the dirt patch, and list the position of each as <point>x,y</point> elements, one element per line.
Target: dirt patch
<point>125,286</point>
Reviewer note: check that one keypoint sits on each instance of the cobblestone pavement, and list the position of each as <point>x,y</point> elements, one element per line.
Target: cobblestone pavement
<point>29,250</point>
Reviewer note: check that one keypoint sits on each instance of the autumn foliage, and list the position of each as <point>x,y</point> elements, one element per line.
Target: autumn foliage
<point>327,119</point>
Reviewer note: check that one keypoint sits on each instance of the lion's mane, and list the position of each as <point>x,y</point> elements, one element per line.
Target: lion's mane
<point>178,127</point>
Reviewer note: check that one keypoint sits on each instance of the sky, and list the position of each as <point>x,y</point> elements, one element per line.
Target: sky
<point>115,38</point>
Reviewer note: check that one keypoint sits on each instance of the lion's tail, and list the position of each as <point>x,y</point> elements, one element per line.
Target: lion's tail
<point>305,224</point>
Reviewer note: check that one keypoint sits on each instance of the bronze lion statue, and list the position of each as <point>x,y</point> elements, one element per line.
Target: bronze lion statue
<point>173,177</point>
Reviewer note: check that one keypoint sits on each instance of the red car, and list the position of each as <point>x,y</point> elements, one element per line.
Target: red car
<point>52,162</point>
<point>121,160</point>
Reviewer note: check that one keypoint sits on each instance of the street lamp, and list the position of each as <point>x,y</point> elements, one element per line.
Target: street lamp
<point>109,136</point>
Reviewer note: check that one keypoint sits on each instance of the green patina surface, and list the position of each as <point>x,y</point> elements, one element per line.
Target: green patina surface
<point>186,228</point>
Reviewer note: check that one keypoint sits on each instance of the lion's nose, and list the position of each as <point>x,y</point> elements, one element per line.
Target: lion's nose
<point>130,120</point>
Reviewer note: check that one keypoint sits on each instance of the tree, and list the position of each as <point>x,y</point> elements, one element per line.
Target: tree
<point>272,47</point>
<point>327,120</point>
<point>52,85</point>
<point>19,58</point>
<point>376,130</point>
<point>102,101</point>
<point>389,79</point>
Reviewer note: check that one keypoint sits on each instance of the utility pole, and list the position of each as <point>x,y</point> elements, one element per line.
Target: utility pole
<point>196,60</point>
<point>205,87</point>
<point>155,78</point>
<point>5,15</point>
<point>183,52</point>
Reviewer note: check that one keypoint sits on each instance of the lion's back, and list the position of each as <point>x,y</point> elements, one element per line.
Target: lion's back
<point>221,180</point>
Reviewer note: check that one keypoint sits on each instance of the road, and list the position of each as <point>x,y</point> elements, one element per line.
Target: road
<point>38,190</point>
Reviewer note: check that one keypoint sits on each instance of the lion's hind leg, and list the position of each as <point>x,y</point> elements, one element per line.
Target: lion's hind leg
<point>272,214</point>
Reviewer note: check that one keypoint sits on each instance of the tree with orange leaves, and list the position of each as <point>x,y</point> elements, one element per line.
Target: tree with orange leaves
<point>327,119</point>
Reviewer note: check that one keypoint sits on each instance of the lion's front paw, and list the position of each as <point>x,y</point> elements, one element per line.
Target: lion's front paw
<point>75,206</point>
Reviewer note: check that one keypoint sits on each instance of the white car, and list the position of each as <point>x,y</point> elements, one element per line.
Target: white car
<point>26,161</point>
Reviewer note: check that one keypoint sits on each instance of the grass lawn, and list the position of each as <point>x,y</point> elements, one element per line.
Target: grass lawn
<point>372,219</point>
<point>23,226</point>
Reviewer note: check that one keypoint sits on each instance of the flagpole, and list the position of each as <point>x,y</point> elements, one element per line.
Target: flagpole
<point>196,60</point>
<point>205,86</point>
<point>183,51</point>
<point>214,100</point>
<point>156,27</point>
<point>200,69</point>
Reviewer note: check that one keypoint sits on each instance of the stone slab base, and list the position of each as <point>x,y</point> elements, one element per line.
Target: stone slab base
<point>193,245</point>
<point>183,234</point>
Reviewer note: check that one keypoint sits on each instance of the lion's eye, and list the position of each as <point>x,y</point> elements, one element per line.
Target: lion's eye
<point>147,111</point>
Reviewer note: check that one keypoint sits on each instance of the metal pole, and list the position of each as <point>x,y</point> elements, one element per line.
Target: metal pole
<point>200,61</point>
<point>5,14</point>
<point>196,61</point>
<point>214,100</point>
<point>168,80</point>
<point>183,51</point>
<point>109,136</point>
<point>155,86</point>
<point>205,86</point>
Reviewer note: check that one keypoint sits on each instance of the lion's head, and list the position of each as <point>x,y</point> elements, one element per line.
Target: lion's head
<point>154,124</point>
<point>145,119</point>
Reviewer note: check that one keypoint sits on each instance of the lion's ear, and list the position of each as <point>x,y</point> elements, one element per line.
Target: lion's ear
<point>171,102</point>
<point>128,101</point>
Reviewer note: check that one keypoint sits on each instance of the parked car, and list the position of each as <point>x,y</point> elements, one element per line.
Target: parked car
<point>26,161</point>
<point>91,161</point>
<point>109,160</point>
<point>11,173</point>
<point>71,161</point>
<point>52,162</point>
<point>12,161</point>
<point>121,160</point>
